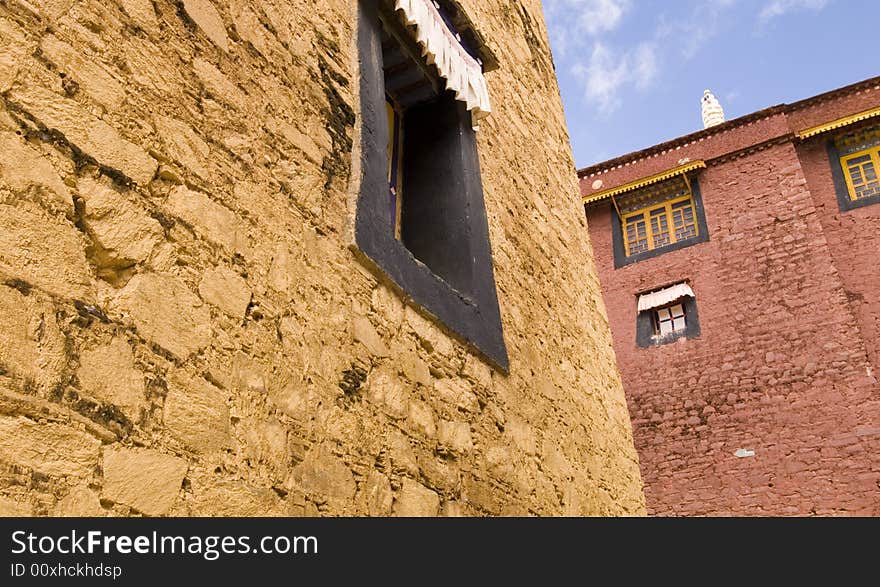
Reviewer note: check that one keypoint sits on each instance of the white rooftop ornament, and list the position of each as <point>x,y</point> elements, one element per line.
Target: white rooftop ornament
<point>463,73</point>
<point>713,114</point>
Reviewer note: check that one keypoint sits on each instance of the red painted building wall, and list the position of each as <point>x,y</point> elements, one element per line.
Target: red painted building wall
<point>788,295</point>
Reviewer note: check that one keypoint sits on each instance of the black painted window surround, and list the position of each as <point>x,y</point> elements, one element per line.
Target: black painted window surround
<point>620,257</point>
<point>443,262</point>
<point>646,325</point>
<point>844,202</point>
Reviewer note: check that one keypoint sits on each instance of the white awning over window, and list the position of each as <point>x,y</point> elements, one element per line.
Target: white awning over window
<point>665,296</point>
<point>463,74</point>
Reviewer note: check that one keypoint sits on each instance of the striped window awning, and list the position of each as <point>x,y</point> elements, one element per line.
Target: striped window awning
<point>634,185</point>
<point>462,72</point>
<point>665,296</point>
<point>839,123</point>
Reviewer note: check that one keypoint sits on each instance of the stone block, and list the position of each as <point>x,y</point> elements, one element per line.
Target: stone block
<point>206,16</point>
<point>196,413</point>
<point>219,84</point>
<point>458,393</point>
<point>143,479</point>
<point>124,230</point>
<point>387,390</point>
<point>14,47</point>
<point>365,333</point>
<point>323,476</point>
<point>455,436</point>
<point>165,312</point>
<point>142,12</point>
<point>44,250</point>
<point>22,169</point>
<point>297,400</point>
<point>266,442</point>
<point>49,9</point>
<point>403,459</point>
<point>249,28</point>
<point>230,498</point>
<point>87,71</point>
<point>414,500</point>
<point>420,417</point>
<point>415,369</point>
<point>184,145</point>
<point>49,448</point>
<point>108,374</point>
<point>9,508</point>
<point>522,435</point>
<point>378,496</point>
<point>227,290</point>
<point>91,135</point>
<point>80,502</point>
<point>31,342</point>
<point>210,219</point>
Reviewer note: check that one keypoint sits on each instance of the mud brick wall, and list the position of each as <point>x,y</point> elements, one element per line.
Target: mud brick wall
<point>184,328</point>
<point>782,365</point>
<point>853,240</point>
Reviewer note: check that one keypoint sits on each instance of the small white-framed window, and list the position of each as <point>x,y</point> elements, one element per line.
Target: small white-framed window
<point>666,315</point>
<point>670,320</point>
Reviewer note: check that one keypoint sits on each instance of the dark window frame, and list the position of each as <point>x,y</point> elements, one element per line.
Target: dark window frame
<point>473,315</point>
<point>645,333</point>
<point>620,257</point>
<point>844,202</point>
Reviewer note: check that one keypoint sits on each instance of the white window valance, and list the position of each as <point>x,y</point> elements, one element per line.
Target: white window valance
<point>665,296</point>
<point>463,73</point>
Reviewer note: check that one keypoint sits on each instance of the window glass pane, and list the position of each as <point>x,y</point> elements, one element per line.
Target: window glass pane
<point>636,234</point>
<point>679,324</point>
<point>395,160</point>
<point>677,310</point>
<point>684,221</point>
<point>660,228</point>
<point>862,174</point>
<point>389,111</point>
<point>663,314</point>
<point>665,328</point>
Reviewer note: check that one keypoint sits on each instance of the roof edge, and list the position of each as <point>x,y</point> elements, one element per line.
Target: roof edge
<point>640,183</point>
<point>730,124</point>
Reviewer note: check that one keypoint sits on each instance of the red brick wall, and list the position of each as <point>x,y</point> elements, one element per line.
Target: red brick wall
<point>780,367</point>
<point>854,240</point>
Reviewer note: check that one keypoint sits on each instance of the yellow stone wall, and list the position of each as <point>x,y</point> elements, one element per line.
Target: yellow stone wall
<point>184,328</point>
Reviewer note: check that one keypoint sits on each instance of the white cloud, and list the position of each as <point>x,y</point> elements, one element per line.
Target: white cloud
<point>597,16</point>
<point>695,30</point>
<point>574,22</point>
<point>607,74</point>
<point>590,16</point>
<point>776,8</point>
<point>587,40</point>
<point>645,65</point>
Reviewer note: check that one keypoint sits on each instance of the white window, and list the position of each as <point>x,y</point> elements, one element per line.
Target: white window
<point>667,314</point>
<point>669,320</point>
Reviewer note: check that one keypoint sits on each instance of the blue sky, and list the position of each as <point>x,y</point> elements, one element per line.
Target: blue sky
<point>632,72</point>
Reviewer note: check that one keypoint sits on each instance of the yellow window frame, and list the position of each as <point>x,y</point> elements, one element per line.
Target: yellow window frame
<point>647,211</point>
<point>874,153</point>
<point>395,167</point>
